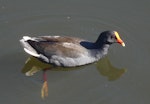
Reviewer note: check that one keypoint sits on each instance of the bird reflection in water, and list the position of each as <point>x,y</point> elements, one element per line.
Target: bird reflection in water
<point>104,67</point>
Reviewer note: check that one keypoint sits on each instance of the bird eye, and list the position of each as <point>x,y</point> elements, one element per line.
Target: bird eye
<point>113,37</point>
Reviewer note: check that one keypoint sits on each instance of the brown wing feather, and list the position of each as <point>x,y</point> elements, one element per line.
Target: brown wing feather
<point>60,46</point>
<point>72,51</point>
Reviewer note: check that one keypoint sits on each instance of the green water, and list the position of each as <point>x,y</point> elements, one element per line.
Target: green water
<point>78,18</point>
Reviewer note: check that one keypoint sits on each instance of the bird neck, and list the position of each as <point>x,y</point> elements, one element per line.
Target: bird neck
<point>102,47</point>
<point>101,44</point>
<point>100,52</point>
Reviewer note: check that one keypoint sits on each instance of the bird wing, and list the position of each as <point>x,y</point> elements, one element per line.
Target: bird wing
<point>60,46</point>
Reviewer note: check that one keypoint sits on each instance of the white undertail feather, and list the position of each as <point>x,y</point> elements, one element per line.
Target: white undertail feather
<point>26,38</point>
<point>27,47</point>
<point>30,50</point>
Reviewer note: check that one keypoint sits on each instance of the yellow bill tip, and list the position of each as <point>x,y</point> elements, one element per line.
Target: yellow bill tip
<point>123,44</point>
<point>119,40</point>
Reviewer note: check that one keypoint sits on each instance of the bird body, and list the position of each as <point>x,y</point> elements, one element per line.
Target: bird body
<point>69,51</point>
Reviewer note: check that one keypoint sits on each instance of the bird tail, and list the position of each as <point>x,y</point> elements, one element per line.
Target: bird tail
<point>27,47</point>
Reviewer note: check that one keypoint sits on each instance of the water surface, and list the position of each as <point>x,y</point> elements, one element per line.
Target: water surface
<point>85,19</point>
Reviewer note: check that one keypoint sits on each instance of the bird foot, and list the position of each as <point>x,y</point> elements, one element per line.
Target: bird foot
<point>44,90</point>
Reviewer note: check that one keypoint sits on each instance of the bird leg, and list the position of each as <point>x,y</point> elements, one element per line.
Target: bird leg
<point>44,90</point>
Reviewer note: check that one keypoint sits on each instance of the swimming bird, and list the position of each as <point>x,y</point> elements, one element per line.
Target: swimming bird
<point>69,51</point>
